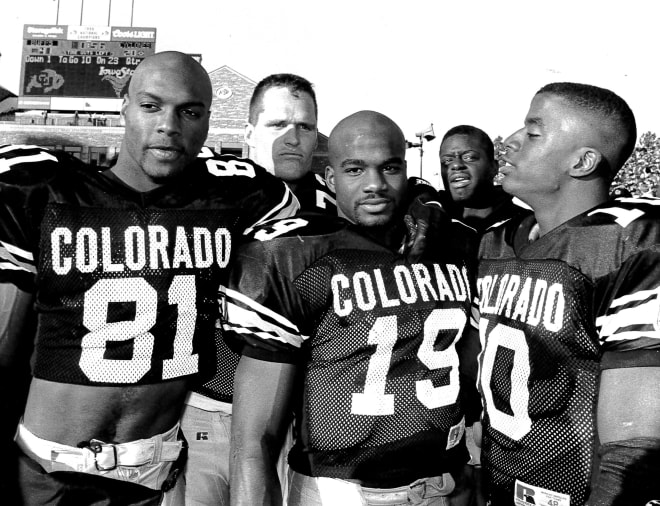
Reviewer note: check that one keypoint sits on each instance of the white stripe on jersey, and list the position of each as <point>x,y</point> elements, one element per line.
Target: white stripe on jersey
<point>641,317</point>
<point>27,255</point>
<point>8,266</point>
<point>245,321</point>
<point>7,163</point>
<point>9,253</point>
<point>287,207</point>
<point>239,317</point>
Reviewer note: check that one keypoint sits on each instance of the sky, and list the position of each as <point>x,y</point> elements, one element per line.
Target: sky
<point>421,62</point>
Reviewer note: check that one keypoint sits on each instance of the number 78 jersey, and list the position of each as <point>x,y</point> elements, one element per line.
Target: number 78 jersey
<point>583,297</point>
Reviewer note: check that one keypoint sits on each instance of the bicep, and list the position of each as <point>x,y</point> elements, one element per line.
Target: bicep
<point>628,404</point>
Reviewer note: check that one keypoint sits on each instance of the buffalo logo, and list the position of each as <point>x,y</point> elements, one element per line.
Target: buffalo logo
<point>224,92</point>
<point>654,502</point>
<point>47,80</point>
<point>117,83</point>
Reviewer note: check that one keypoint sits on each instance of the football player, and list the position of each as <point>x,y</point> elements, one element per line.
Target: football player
<point>123,267</point>
<point>570,367</point>
<point>373,338</point>
<point>282,135</point>
<point>468,167</point>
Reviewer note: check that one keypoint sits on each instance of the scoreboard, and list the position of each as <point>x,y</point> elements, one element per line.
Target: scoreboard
<point>84,62</point>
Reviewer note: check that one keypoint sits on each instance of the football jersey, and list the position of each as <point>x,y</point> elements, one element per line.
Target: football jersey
<point>314,195</point>
<point>504,208</point>
<point>376,338</point>
<point>585,296</point>
<point>126,283</point>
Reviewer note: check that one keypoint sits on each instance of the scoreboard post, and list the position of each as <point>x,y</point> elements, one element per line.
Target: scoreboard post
<point>69,68</point>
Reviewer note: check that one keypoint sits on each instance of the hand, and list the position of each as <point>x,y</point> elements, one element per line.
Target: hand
<point>423,222</point>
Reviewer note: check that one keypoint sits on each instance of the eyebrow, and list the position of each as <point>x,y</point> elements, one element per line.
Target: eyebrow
<point>192,103</point>
<point>352,161</point>
<point>361,163</point>
<point>534,121</point>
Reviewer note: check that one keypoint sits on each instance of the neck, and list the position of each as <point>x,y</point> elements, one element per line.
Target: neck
<point>388,235</point>
<point>554,211</point>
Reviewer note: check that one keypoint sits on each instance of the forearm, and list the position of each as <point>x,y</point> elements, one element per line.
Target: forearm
<point>253,474</point>
<point>627,474</point>
<point>628,420</point>
<point>261,407</point>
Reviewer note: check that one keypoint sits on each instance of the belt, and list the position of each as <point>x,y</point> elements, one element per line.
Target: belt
<point>424,488</point>
<point>97,455</point>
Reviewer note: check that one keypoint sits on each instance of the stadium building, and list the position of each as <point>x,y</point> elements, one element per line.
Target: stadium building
<point>73,79</point>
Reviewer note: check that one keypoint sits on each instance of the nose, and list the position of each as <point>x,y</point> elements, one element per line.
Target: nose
<point>292,136</point>
<point>169,122</point>
<point>512,142</point>
<point>457,163</point>
<point>374,181</point>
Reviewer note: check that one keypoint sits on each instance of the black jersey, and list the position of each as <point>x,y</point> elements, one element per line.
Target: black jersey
<point>126,283</point>
<point>472,228</point>
<point>582,297</point>
<point>314,195</point>
<point>376,337</point>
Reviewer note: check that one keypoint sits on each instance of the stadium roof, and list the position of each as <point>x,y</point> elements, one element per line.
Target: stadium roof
<point>5,93</point>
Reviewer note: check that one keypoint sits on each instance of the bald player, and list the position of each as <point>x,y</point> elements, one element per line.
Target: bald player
<point>373,338</point>
<point>123,267</point>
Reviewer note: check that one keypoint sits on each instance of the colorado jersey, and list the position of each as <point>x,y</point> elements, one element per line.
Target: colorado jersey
<point>314,195</point>
<point>376,338</point>
<point>126,282</point>
<point>585,296</point>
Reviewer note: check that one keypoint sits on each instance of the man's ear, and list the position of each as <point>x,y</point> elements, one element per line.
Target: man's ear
<point>330,178</point>
<point>249,135</point>
<point>588,161</point>
<point>122,111</point>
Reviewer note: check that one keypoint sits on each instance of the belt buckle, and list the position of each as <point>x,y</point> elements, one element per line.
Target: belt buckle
<point>96,447</point>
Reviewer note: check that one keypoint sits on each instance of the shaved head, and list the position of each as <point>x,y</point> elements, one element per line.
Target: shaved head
<point>177,64</point>
<point>166,113</point>
<point>362,123</point>
<point>367,170</point>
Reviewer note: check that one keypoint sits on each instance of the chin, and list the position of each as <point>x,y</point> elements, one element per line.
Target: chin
<point>373,221</point>
<point>290,173</point>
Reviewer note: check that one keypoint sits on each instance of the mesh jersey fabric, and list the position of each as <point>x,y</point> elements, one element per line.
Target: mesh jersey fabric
<point>126,282</point>
<point>585,296</point>
<point>376,337</point>
<point>314,196</point>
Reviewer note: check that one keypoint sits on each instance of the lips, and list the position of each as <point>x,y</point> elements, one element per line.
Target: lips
<point>459,180</point>
<point>290,154</point>
<point>375,205</point>
<point>504,169</point>
<point>165,152</point>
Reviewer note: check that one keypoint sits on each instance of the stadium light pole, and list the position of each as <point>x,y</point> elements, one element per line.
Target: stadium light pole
<point>426,134</point>
<point>57,13</point>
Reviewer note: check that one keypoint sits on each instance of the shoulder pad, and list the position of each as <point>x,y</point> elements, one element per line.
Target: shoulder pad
<point>304,224</point>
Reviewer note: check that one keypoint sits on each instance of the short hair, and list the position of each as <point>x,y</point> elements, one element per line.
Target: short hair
<point>294,83</point>
<point>473,131</point>
<point>610,109</point>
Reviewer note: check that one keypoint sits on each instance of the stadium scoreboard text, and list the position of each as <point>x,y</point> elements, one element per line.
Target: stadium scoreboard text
<point>81,61</point>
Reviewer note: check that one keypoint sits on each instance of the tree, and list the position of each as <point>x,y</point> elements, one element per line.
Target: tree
<point>641,173</point>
